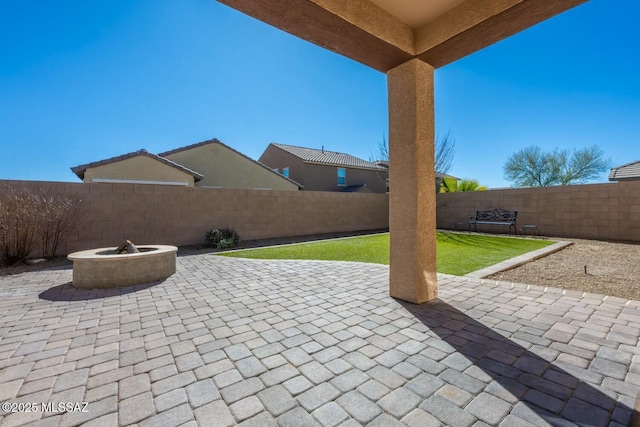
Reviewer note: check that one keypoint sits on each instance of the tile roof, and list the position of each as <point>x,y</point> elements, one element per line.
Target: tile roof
<point>216,141</point>
<point>444,175</point>
<point>628,171</point>
<point>80,170</point>
<point>325,157</point>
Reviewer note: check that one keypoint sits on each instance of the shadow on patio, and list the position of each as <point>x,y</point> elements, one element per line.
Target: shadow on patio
<point>66,292</point>
<point>547,394</point>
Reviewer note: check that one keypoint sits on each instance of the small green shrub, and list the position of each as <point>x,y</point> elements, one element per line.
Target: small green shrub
<point>222,238</point>
<point>226,243</point>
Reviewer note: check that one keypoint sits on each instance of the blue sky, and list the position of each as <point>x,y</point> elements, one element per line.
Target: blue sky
<point>81,81</point>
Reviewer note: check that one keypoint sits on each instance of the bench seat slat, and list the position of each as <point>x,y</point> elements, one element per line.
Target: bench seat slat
<point>493,222</point>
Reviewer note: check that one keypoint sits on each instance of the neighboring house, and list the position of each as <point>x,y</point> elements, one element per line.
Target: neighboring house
<point>323,170</point>
<point>139,167</point>
<point>383,163</point>
<point>205,164</point>
<point>628,172</point>
<point>439,176</point>
<point>222,166</point>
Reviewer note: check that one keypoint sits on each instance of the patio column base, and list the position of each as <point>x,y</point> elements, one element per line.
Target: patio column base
<point>412,197</point>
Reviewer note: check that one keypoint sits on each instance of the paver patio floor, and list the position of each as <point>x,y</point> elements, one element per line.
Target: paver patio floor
<point>230,341</point>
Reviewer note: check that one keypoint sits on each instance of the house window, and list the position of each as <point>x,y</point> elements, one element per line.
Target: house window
<point>342,176</point>
<point>285,172</point>
<point>276,170</point>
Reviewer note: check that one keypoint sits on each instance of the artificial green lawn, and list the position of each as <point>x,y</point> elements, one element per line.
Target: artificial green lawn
<point>457,254</point>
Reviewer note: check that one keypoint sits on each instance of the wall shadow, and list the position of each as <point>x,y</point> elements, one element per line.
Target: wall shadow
<point>66,292</point>
<point>551,394</point>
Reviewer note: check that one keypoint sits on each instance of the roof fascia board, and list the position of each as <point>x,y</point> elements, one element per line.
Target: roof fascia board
<point>357,29</point>
<point>476,24</point>
<point>364,32</point>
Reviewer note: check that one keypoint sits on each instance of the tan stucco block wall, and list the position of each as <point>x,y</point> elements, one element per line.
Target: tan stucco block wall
<point>161,214</point>
<point>141,168</point>
<point>596,211</point>
<point>226,168</point>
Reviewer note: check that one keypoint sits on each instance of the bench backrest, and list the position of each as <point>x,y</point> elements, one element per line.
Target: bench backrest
<point>496,214</point>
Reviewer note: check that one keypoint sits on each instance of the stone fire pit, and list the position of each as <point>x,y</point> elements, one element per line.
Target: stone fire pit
<point>102,268</point>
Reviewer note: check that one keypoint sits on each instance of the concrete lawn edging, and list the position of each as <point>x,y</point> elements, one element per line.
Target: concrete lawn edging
<point>519,260</point>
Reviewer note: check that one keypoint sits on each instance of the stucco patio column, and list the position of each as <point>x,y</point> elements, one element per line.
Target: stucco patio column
<point>412,198</point>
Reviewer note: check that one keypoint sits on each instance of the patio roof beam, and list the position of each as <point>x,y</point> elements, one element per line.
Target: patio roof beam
<point>367,33</point>
<point>357,29</point>
<point>476,24</point>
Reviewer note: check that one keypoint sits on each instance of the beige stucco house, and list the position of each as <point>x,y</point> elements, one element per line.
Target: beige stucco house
<point>324,170</point>
<point>205,164</point>
<point>222,166</point>
<point>140,167</point>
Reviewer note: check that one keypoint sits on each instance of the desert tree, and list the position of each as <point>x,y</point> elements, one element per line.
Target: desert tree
<point>444,152</point>
<point>532,167</point>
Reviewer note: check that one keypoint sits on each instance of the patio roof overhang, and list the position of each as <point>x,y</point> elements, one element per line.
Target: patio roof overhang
<point>407,40</point>
<point>383,34</point>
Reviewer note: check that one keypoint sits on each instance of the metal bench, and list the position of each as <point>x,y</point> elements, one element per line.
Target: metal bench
<point>494,216</point>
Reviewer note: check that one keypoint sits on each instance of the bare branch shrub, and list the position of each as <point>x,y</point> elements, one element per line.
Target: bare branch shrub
<point>19,225</point>
<point>61,216</point>
<point>29,218</point>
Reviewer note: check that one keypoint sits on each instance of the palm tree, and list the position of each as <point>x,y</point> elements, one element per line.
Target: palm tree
<point>450,185</point>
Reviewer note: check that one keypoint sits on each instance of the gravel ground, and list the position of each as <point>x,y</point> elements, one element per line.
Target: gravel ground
<point>611,269</point>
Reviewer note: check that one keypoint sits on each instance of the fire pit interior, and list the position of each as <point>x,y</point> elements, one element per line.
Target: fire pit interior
<point>126,265</point>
